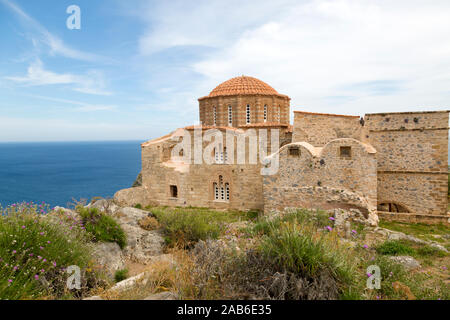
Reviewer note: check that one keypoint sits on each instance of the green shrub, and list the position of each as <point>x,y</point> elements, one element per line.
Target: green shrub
<point>102,227</point>
<point>35,249</point>
<point>138,206</point>
<point>317,218</point>
<point>300,248</point>
<point>394,248</point>
<point>185,226</point>
<point>121,275</point>
<point>428,251</point>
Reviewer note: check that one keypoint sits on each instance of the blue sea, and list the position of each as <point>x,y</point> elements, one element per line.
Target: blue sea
<point>59,171</point>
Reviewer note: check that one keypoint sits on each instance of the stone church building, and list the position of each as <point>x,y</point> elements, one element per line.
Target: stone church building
<point>394,165</point>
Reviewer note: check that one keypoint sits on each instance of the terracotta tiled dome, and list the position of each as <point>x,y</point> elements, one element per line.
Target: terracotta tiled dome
<point>243,85</point>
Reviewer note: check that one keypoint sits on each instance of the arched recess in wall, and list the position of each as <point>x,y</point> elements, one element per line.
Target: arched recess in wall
<point>391,206</point>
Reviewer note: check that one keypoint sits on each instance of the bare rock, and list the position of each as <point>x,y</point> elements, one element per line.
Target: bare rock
<point>142,244</point>
<point>109,256</point>
<point>140,279</point>
<point>104,205</point>
<point>406,261</point>
<point>132,196</point>
<point>94,298</point>
<point>131,216</point>
<point>163,296</point>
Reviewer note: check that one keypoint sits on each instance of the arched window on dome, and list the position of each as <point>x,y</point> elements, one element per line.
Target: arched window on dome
<point>248,114</point>
<point>230,116</point>
<point>265,113</point>
<point>215,115</point>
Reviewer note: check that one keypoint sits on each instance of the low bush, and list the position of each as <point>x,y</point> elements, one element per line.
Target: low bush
<point>299,248</point>
<point>101,226</point>
<point>318,219</point>
<point>36,249</point>
<point>185,226</point>
<point>395,248</point>
<point>121,275</point>
<point>294,257</point>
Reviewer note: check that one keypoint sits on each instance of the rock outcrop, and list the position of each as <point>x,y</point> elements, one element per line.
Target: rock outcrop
<point>109,256</point>
<point>132,196</point>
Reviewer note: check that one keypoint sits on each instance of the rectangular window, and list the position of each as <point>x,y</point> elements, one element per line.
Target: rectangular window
<point>248,114</point>
<point>174,191</point>
<point>215,115</point>
<point>230,116</point>
<point>294,151</point>
<point>345,152</point>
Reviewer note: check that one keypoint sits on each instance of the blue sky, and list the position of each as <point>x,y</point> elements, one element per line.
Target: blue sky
<point>136,68</point>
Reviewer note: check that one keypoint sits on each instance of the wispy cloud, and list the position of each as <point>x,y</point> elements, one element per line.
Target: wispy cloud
<point>92,83</point>
<point>79,106</point>
<point>55,44</point>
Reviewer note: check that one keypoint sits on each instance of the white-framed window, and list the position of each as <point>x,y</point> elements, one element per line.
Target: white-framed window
<point>230,116</point>
<point>248,114</point>
<point>215,115</point>
<point>265,113</point>
<point>225,155</point>
<point>221,190</point>
<point>227,191</point>
<point>216,191</point>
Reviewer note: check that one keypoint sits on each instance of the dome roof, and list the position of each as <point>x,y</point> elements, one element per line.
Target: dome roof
<point>243,86</point>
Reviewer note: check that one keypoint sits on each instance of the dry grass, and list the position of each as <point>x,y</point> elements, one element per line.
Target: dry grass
<point>149,223</point>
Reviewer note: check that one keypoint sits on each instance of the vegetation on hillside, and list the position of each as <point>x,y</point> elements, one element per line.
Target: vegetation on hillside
<point>102,227</point>
<point>35,251</point>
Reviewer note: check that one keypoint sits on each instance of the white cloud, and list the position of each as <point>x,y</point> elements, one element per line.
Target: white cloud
<point>343,56</point>
<point>92,83</point>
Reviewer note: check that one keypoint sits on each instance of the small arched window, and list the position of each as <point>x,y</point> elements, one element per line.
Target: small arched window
<point>216,191</point>
<point>221,190</point>
<point>265,113</point>
<point>248,114</point>
<point>227,191</point>
<point>230,116</point>
<point>215,115</point>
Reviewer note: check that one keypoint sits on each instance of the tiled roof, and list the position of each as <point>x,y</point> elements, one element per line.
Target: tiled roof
<point>243,85</point>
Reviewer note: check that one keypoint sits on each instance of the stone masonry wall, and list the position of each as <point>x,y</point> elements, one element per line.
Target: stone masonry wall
<point>322,178</point>
<point>195,182</point>
<point>318,129</point>
<point>412,155</point>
